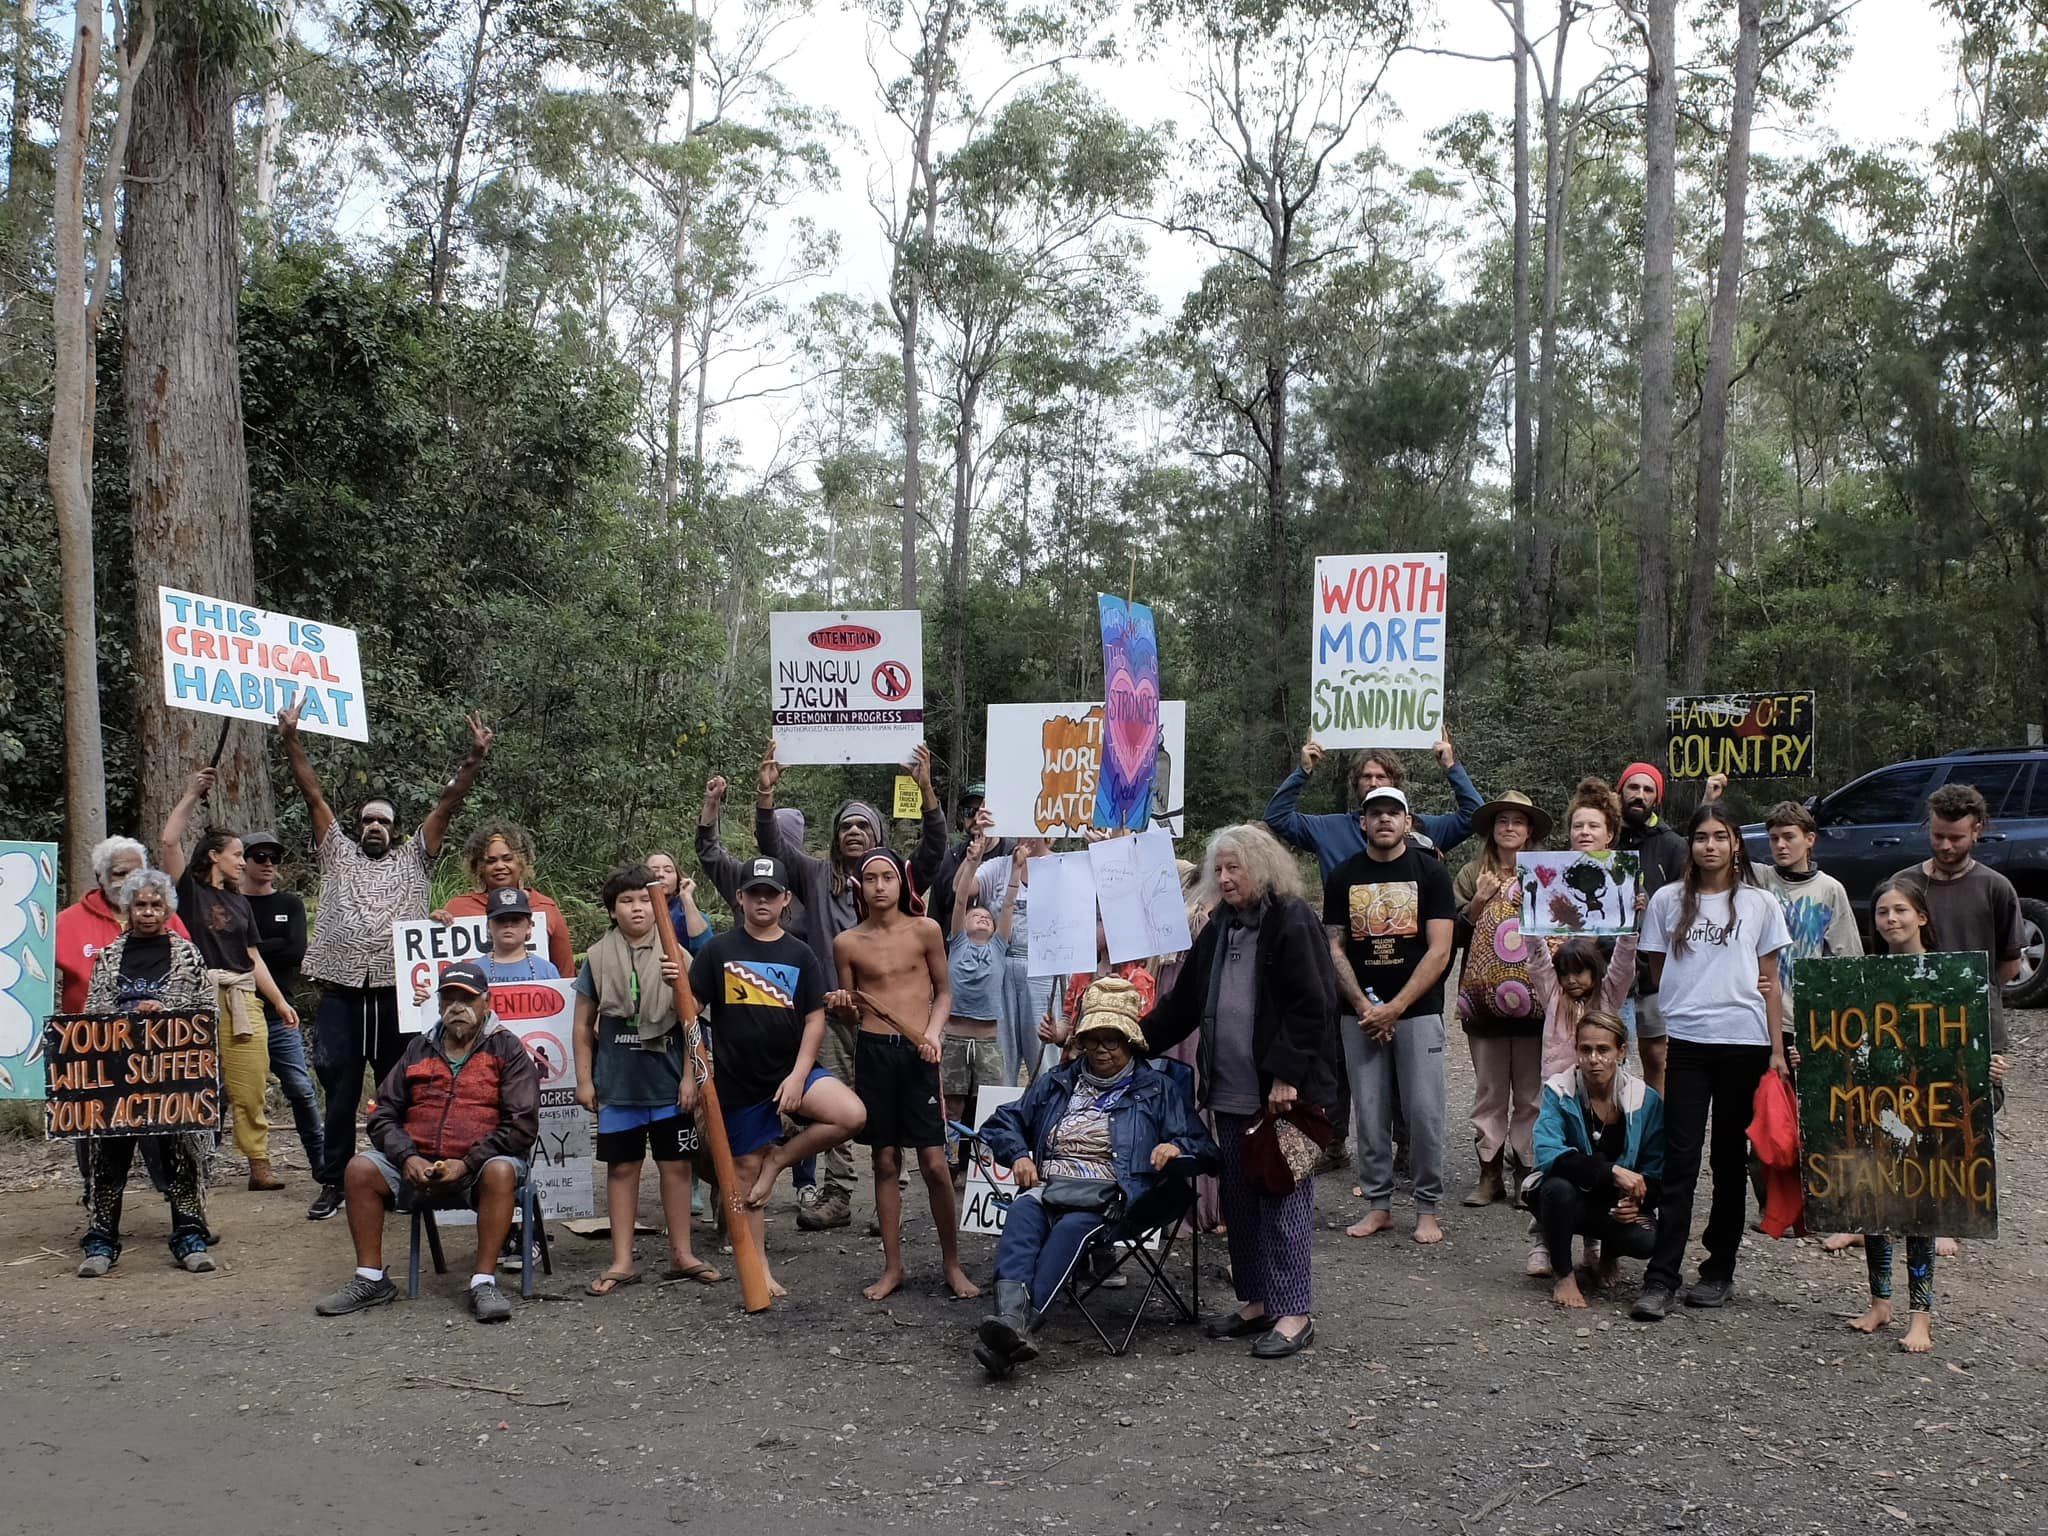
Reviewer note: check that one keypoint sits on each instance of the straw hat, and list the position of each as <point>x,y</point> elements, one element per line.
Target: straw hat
<point>1513,800</point>
<point>1112,1003</point>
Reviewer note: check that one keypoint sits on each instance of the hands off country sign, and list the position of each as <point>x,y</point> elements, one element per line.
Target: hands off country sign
<point>847,687</point>
<point>1744,735</point>
<point>1377,674</point>
<point>248,663</point>
<point>1895,1095</point>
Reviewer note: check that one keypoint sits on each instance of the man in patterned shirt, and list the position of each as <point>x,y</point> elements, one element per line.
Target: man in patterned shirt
<point>367,883</point>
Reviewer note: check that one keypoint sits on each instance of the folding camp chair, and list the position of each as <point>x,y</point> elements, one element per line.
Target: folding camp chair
<point>1159,1217</point>
<point>533,1242</point>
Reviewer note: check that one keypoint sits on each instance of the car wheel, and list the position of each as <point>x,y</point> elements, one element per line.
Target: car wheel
<point>2029,989</point>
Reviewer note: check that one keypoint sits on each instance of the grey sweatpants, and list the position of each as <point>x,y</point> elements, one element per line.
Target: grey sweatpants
<point>1414,1058</point>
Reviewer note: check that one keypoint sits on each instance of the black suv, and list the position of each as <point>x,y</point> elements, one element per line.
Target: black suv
<point>1875,826</point>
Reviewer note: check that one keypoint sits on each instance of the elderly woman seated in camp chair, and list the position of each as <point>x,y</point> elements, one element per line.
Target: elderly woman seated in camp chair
<point>1086,1141</point>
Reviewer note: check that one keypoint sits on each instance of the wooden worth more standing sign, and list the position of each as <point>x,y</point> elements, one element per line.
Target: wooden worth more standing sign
<point>1895,1094</point>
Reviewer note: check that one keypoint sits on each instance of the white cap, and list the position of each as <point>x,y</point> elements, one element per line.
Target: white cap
<point>1384,792</point>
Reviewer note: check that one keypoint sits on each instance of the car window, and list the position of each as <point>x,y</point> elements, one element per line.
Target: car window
<point>1895,795</point>
<point>1996,780</point>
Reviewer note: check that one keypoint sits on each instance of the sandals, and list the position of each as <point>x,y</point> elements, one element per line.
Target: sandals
<point>699,1271</point>
<point>608,1282</point>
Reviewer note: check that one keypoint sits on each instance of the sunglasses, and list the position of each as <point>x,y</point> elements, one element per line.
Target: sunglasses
<point>263,856</point>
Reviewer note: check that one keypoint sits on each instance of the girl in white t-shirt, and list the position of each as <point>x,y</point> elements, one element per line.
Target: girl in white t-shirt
<point>1711,942</point>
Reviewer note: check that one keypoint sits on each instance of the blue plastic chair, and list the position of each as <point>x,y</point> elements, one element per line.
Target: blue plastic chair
<point>533,1242</point>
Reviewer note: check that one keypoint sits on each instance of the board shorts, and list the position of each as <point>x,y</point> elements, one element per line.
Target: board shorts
<point>968,1065</point>
<point>900,1091</point>
<point>753,1127</point>
<point>1649,1022</point>
<point>464,1192</point>
<point>626,1133</point>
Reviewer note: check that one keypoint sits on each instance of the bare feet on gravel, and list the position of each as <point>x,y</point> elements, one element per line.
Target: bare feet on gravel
<point>1946,1247</point>
<point>1428,1230</point>
<point>1841,1242</point>
<point>884,1287</point>
<point>1566,1293</point>
<point>1919,1338</point>
<point>958,1283</point>
<point>1375,1223</point>
<point>1879,1316</point>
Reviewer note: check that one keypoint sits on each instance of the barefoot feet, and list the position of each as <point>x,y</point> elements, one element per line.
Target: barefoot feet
<point>884,1287</point>
<point>1566,1293</point>
<point>958,1283</point>
<point>1841,1242</point>
<point>1919,1337</point>
<point>1428,1229</point>
<point>1879,1315</point>
<point>1375,1223</point>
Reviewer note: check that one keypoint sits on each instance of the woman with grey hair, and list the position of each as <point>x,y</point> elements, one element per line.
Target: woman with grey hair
<point>1259,986</point>
<point>147,969</point>
<point>93,922</point>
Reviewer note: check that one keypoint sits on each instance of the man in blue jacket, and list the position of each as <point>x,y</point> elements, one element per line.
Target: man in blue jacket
<point>1335,837</point>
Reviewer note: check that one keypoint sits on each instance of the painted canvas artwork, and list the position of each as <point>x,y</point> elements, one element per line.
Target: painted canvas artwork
<point>1130,715</point>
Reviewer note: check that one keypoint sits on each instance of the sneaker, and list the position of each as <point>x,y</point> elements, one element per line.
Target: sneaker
<point>831,1209</point>
<point>1538,1262</point>
<point>1653,1306</point>
<point>326,1203</point>
<point>95,1264</point>
<point>359,1295</point>
<point>487,1304</point>
<point>196,1260</point>
<point>1708,1292</point>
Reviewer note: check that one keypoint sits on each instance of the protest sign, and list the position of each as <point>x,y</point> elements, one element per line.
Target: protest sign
<point>909,804</point>
<point>1579,894</point>
<point>420,947</point>
<point>224,658</point>
<point>985,1197</point>
<point>1062,935</point>
<point>1044,761</point>
<point>847,687</point>
<point>543,1015</point>
<point>1377,676</point>
<point>1895,1095</point>
<point>130,1074</point>
<point>1130,715</point>
<point>1744,735</point>
<point>28,963</point>
<point>1137,886</point>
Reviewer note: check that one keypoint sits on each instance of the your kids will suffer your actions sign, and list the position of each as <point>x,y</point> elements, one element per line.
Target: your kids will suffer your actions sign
<point>1744,735</point>
<point>847,687</point>
<point>131,1074</point>
<point>248,663</point>
<point>1895,1094</point>
<point>1377,674</point>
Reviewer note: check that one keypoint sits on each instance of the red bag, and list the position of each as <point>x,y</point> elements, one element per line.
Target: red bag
<point>1774,1133</point>
<point>1280,1151</point>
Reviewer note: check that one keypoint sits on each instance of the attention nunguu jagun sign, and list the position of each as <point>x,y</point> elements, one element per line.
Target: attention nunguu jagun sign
<point>1377,672</point>
<point>1895,1094</point>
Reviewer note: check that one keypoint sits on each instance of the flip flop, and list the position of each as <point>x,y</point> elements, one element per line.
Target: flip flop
<point>700,1272</point>
<point>608,1282</point>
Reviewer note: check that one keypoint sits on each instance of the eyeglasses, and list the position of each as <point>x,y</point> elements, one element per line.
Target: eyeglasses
<point>263,856</point>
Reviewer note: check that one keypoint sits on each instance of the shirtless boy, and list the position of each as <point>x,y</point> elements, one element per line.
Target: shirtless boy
<point>765,993</point>
<point>894,960</point>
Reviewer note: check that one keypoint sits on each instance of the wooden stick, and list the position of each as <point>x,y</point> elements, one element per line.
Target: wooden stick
<point>221,745</point>
<point>747,1256</point>
<point>915,1034</point>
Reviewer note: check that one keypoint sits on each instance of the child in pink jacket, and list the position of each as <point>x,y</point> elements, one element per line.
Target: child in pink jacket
<point>1572,982</point>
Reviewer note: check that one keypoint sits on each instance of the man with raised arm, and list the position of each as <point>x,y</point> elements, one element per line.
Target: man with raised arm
<point>1335,837</point>
<point>368,881</point>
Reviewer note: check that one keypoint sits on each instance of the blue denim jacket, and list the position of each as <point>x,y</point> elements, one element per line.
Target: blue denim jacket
<point>1156,1109</point>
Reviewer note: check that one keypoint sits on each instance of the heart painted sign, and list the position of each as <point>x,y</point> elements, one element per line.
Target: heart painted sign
<point>1130,715</point>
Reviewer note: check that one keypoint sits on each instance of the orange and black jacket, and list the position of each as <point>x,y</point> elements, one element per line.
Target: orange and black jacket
<point>487,1107</point>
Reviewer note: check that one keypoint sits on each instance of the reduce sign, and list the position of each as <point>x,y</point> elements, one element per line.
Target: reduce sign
<point>1895,1094</point>
<point>130,1074</point>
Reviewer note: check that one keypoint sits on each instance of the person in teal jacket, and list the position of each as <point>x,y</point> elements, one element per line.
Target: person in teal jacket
<point>1335,837</point>
<point>1599,1158</point>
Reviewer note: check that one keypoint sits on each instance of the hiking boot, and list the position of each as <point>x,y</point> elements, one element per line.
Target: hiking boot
<point>832,1209</point>
<point>487,1304</point>
<point>1489,1190</point>
<point>262,1176</point>
<point>326,1203</point>
<point>1653,1306</point>
<point>359,1295</point>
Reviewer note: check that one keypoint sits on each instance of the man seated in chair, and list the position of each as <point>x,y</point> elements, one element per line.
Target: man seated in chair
<point>1088,1139</point>
<point>455,1121</point>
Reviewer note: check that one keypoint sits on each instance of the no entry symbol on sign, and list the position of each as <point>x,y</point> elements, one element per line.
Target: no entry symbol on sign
<point>892,681</point>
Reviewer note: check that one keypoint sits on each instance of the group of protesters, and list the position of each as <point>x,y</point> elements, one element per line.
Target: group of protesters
<point>865,996</point>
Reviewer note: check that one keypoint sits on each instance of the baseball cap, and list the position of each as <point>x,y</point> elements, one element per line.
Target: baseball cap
<point>507,901</point>
<point>1384,792</point>
<point>765,872</point>
<point>265,838</point>
<point>465,976</point>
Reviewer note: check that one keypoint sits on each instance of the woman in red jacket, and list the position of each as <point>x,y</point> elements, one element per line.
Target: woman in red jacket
<point>93,922</point>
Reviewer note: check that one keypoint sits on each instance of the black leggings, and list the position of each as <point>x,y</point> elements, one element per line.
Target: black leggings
<point>1565,1211</point>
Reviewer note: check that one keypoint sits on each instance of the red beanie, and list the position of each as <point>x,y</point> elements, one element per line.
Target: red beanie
<point>1655,773</point>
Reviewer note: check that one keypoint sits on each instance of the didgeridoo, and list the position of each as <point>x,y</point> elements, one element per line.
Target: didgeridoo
<point>747,1256</point>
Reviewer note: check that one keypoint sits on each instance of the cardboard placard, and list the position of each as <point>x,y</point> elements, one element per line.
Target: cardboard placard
<point>420,947</point>
<point>28,963</point>
<point>1376,676</point>
<point>223,658</point>
<point>131,1074</point>
<point>847,687</point>
<point>1744,735</point>
<point>1130,715</point>
<point>1045,760</point>
<point>1579,895</point>
<point>985,1197</point>
<point>1895,1095</point>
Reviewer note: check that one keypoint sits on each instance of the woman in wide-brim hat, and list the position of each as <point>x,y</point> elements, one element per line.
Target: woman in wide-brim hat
<point>1503,1025</point>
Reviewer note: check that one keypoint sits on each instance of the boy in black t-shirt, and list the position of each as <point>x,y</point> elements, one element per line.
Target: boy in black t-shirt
<point>765,994</point>
<point>1389,914</point>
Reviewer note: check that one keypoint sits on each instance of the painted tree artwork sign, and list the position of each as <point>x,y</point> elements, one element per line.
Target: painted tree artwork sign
<point>1587,895</point>
<point>1895,1095</point>
<point>1130,715</point>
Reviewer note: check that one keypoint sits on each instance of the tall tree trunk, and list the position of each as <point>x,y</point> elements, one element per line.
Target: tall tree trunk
<point>1653,519</point>
<point>1525,467</point>
<point>957,742</point>
<point>443,260</point>
<point>188,473</point>
<point>1708,497</point>
<point>24,156</point>
<point>271,134</point>
<point>679,296</point>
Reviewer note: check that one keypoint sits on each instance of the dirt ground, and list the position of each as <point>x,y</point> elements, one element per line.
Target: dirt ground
<point>1443,1391</point>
